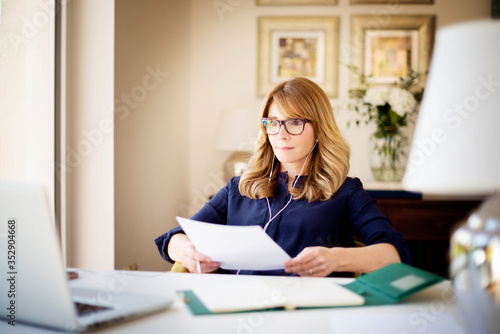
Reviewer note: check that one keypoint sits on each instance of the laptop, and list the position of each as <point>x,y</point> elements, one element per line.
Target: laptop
<point>34,283</point>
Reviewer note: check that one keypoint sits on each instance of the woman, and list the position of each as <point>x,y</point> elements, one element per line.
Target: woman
<point>296,187</point>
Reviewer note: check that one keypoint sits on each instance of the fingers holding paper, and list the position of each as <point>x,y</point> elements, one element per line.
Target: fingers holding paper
<point>197,262</point>
<point>182,249</point>
<point>312,261</point>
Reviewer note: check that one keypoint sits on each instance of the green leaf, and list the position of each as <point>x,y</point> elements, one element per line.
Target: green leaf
<point>394,118</point>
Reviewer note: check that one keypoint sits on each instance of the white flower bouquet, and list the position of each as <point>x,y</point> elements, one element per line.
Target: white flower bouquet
<point>390,108</point>
<point>387,106</point>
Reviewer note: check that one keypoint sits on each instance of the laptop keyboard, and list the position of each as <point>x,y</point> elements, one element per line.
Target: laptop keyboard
<point>84,309</point>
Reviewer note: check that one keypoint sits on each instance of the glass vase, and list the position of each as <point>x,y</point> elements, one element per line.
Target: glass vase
<point>388,155</point>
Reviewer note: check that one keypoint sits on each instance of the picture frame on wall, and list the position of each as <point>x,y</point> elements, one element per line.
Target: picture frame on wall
<point>387,50</point>
<point>295,2</point>
<point>373,2</point>
<point>390,55</point>
<point>298,46</point>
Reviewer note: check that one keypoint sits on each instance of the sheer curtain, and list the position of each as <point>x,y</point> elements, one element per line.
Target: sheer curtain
<point>27,92</point>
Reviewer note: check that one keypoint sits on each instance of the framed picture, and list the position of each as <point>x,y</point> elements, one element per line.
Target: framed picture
<point>298,46</point>
<point>370,2</point>
<point>390,54</point>
<point>387,50</point>
<point>294,2</point>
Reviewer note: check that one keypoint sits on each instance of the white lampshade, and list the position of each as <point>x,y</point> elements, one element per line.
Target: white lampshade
<point>237,130</point>
<point>456,147</point>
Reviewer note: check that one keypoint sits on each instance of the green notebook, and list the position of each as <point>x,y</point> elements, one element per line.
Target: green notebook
<point>387,285</point>
<point>392,283</point>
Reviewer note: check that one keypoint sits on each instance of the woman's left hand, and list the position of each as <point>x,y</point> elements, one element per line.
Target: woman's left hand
<point>313,261</point>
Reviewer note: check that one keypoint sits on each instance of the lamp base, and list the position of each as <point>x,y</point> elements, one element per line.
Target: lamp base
<point>475,268</point>
<point>236,164</point>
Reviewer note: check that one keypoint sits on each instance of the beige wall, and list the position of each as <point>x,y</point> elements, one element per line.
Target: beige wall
<point>152,53</point>
<point>166,160</point>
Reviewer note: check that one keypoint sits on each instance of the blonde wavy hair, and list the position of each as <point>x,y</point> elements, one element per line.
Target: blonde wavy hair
<point>300,98</point>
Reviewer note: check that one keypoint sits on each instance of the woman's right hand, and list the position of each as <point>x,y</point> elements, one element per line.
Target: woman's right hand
<point>181,249</point>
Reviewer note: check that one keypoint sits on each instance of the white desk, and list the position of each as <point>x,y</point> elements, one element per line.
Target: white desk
<point>430,311</point>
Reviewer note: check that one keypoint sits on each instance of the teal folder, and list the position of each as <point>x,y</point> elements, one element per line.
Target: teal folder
<point>392,283</point>
<point>384,286</point>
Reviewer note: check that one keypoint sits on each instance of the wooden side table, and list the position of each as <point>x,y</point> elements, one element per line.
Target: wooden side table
<point>426,223</point>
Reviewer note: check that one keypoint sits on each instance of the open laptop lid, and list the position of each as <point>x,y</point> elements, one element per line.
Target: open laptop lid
<point>33,276</point>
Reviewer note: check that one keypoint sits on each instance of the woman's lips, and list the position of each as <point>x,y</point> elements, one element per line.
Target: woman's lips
<point>286,148</point>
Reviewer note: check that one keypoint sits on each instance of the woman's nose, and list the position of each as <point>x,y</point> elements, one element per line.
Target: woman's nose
<point>282,132</point>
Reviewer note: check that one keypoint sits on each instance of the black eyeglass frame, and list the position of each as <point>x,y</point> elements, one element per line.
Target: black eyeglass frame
<point>283,122</point>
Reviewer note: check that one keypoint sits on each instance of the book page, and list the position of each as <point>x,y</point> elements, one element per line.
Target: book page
<point>322,292</point>
<point>282,292</point>
<point>240,296</point>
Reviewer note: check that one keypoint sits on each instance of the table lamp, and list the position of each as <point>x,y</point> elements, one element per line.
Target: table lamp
<point>456,151</point>
<point>237,133</point>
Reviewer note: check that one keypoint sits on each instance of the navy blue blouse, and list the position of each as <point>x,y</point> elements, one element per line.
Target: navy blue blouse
<point>334,222</point>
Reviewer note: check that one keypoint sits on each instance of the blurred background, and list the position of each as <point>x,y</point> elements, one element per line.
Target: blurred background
<point>127,101</point>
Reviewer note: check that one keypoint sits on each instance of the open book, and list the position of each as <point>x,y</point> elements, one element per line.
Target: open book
<point>384,286</point>
<point>261,294</point>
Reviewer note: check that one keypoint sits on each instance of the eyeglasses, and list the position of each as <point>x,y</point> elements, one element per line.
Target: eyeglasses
<point>294,126</point>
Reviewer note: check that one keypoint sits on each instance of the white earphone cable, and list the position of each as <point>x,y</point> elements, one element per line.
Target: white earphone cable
<point>293,186</point>
<point>291,196</point>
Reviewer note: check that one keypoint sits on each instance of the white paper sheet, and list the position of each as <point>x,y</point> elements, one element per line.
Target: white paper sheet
<point>235,247</point>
